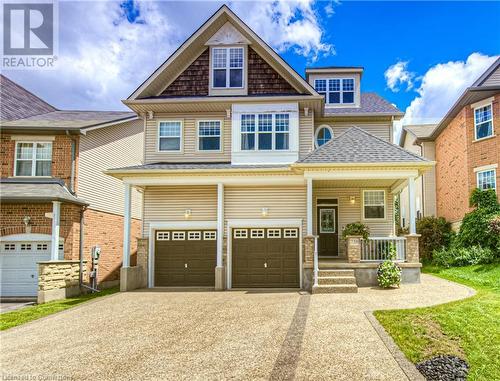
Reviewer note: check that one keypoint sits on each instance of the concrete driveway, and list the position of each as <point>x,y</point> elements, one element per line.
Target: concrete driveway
<point>201,335</point>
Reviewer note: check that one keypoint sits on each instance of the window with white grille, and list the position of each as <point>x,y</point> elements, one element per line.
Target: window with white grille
<point>374,204</point>
<point>210,236</point>
<point>9,246</point>
<point>290,233</point>
<point>162,236</point>
<point>42,247</point>
<point>257,233</point>
<point>194,236</point>
<point>273,233</point>
<point>25,246</point>
<point>178,236</point>
<point>240,233</point>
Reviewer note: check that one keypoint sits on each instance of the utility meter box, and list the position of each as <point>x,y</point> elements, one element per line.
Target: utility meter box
<point>96,253</point>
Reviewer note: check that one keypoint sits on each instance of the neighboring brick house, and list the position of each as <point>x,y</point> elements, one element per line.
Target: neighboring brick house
<point>467,146</point>
<point>52,164</point>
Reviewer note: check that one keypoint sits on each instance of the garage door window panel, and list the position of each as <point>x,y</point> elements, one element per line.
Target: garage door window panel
<point>178,236</point>
<point>194,236</point>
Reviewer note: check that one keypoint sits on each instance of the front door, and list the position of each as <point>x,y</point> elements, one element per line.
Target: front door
<point>328,231</point>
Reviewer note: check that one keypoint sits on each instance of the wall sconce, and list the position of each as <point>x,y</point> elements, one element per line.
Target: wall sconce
<point>27,220</point>
<point>352,199</point>
<point>187,213</point>
<point>265,212</point>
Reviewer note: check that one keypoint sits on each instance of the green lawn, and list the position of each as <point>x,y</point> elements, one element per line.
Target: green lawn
<point>26,314</point>
<point>468,328</point>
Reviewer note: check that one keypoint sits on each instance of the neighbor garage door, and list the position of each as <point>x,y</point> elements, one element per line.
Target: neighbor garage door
<point>185,258</point>
<point>265,257</point>
<point>19,268</point>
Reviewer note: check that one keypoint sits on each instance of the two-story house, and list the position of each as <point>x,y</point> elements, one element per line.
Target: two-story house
<point>56,202</point>
<point>248,167</point>
<point>466,145</point>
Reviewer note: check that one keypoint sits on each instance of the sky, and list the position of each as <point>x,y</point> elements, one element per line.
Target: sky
<point>420,56</point>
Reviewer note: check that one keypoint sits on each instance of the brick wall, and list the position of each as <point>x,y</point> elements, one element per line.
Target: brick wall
<point>61,157</point>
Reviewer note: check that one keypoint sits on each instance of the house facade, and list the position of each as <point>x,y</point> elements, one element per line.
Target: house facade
<point>251,172</point>
<point>56,202</point>
<point>467,146</point>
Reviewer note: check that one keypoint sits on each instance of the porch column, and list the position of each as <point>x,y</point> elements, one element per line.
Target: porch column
<point>412,205</point>
<point>219,270</point>
<point>56,217</point>
<point>126,226</point>
<point>309,207</point>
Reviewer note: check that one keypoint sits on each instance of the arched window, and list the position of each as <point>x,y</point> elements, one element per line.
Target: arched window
<point>323,135</point>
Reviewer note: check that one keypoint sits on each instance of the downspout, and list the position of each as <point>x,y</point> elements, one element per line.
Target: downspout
<point>73,160</point>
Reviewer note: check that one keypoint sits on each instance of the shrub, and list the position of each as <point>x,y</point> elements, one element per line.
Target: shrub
<point>389,273</point>
<point>464,256</point>
<point>435,234</point>
<point>356,228</point>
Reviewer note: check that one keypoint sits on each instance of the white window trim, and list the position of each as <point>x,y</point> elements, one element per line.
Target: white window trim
<point>221,124</point>
<point>341,91</point>
<point>494,177</point>
<point>475,124</point>
<point>227,68</point>
<point>181,143</point>
<point>363,205</point>
<point>273,132</point>
<point>33,158</point>
<point>317,133</point>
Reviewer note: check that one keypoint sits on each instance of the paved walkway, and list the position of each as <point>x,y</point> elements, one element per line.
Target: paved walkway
<point>253,335</point>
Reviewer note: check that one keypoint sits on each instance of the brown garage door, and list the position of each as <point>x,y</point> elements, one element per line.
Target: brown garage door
<point>265,257</point>
<point>185,258</point>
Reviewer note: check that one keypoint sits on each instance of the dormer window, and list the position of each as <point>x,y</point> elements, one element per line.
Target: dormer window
<point>227,67</point>
<point>336,90</point>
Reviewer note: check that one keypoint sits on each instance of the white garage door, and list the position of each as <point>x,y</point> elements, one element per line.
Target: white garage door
<point>18,265</point>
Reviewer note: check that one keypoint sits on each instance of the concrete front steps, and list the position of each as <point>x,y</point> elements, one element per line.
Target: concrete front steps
<point>333,281</point>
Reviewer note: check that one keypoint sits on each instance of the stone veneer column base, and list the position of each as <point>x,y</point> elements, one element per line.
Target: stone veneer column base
<point>131,278</point>
<point>58,280</point>
<point>354,248</point>
<point>220,278</point>
<point>412,249</point>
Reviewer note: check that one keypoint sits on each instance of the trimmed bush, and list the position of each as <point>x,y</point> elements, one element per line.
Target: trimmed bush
<point>388,272</point>
<point>435,234</point>
<point>356,228</point>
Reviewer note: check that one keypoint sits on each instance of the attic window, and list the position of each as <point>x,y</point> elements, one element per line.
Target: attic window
<point>227,67</point>
<point>336,90</point>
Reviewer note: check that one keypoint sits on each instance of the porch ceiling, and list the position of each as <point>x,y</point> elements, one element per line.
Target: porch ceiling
<point>380,183</point>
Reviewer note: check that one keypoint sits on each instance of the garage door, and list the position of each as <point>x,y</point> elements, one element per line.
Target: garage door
<point>185,258</point>
<point>265,257</point>
<point>18,266</point>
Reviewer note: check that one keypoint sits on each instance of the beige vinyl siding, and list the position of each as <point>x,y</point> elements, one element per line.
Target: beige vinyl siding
<point>349,213</point>
<point>494,79</point>
<point>379,129</point>
<point>169,203</point>
<point>104,148</point>
<point>306,133</point>
<point>189,152</point>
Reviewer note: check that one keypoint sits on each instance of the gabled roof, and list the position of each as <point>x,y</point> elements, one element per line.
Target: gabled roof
<point>17,102</point>
<point>358,146</point>
<point>195,44</point>
<point>418,130</point>
<point>371,103</point>
<point>482,79</point>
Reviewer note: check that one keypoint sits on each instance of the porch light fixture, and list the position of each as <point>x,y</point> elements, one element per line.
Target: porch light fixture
<point>352,199</point>
<point>187,213</point>
<point>265,212</point>
<point>27,220</point>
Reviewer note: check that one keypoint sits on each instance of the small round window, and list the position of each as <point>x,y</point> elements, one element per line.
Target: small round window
<point>323,135</point>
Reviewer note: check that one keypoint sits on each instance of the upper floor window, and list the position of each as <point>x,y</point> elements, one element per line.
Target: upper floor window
<point>33,159</point>
<point>169,136</point>
<point>323,135</point>
<point>373,204</point>
<point>265,132</point>
<point>209,134</point>
<point>487,179</point>
<point>336,90</point>
<point>227,67</point>
<point>483,122</point>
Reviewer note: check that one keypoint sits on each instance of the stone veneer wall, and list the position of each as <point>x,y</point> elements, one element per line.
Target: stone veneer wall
<point>58,280</point>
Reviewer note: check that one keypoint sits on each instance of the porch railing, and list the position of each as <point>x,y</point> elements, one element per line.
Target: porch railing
<point>315,261</point>
<point>376,249</point>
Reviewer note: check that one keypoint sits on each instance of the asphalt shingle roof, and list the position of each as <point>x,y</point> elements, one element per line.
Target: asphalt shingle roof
<point>358,146</point>
<point>370,103</point>
<point>421,130</point>
<point>17,102</point>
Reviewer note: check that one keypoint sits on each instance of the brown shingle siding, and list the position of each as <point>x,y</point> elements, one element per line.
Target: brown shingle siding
<point>193,81</point>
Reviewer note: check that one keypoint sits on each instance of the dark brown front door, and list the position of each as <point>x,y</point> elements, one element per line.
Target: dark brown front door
<point>265,257</point>
<point>328,231</point>
<point>185,258</point>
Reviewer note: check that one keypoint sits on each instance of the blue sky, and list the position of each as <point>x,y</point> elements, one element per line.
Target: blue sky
<point>418,55</point>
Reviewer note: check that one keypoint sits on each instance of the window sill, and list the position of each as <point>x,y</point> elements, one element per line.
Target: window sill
<point>483,139</point>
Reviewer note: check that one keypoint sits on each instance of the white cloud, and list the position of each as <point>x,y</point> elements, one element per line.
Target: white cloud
<point>441,86</point>
<point>397,75</point>
<point>104,56</point>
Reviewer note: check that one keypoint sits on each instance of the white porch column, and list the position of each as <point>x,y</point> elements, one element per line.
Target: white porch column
<point>126,225</point>
<point>412,203</point>
<point>220,222</point>
<point>309,206</point>
<point>56,217</point>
